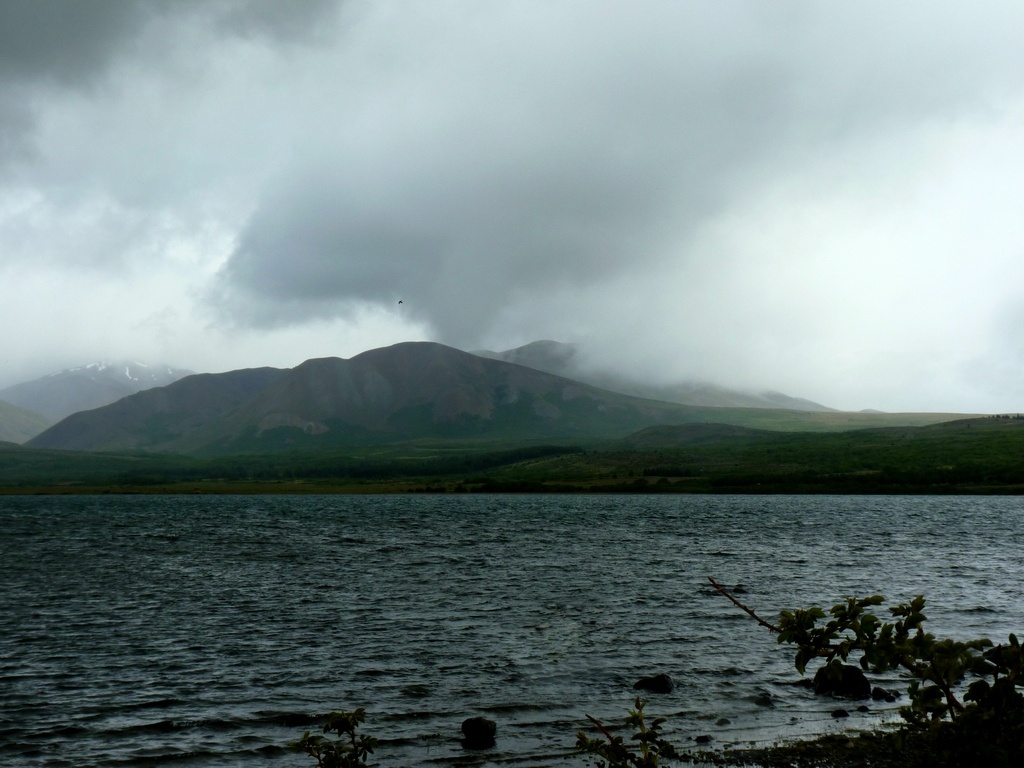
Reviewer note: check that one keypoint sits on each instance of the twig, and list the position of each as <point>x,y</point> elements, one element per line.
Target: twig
<point>768,625</point>
<point>600,727</point>
<point>615,748</point>
<point>955,707</point>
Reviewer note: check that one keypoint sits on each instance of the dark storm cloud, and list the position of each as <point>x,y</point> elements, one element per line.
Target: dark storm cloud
<point>456,246</point>
<point>66,41</point>
<point>48,45</point>
<point>55,43</point>
<point>71,41</point>
<point>284,20</point>
<point>538,160</point>
<point>540,174</point>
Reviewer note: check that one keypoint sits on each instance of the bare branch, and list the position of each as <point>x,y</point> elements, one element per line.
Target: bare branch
<point>768,625</point>
<point>600,727</point>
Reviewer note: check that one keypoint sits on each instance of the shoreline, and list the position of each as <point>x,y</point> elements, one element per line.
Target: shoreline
<point>357,488</point>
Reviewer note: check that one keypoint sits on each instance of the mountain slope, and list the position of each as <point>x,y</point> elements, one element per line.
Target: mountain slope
<point>563,360</point>
<point>18,425</point>
<point>155,417</point>
<point>407,391</point>
<point>89,386</point>
<point>397,388</point>
<point>419,390</point>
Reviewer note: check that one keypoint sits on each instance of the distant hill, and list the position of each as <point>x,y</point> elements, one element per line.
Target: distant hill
<point>18,425</point>
<point>691,436</point>
<point>89,386</point>
<point>563,360</point>
<point>407,391</point>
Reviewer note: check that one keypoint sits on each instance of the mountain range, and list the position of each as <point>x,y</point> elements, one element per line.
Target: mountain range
<point>42,402</point>
<point>413,391</point>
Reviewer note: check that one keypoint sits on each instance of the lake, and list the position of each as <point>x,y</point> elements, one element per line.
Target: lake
<point>213,630</point>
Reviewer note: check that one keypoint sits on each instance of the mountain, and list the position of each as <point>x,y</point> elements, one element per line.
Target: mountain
<point>563,360</point>
<point>18,425</point>
<point>406,391</point>
<point>89,386</point>
<point>159,416</point>
<point>409,391</point>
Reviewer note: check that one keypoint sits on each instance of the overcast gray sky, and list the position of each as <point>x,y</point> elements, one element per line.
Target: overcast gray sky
<point>819,198</point>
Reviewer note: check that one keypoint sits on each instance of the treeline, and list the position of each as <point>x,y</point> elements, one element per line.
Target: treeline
<point>25,467</point>
<point>977,456</point>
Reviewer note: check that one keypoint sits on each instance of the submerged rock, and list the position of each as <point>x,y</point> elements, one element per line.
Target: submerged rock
<point>842,680</point>
<point>479,732</point>
<point>881,694</point>
<point>655,684</point>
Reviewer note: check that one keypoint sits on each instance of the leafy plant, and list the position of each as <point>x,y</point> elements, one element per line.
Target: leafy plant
<point>613,752</point>
<point>985,717</point>
<point>349,751</point>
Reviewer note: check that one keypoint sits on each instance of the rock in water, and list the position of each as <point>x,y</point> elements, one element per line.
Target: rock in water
<point>842,680</point>
<point>656,684</point>
<point>479,732</point>
<point>881,694</point>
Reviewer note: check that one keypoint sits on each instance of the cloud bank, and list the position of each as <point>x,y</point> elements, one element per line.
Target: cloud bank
<point>810,198</point>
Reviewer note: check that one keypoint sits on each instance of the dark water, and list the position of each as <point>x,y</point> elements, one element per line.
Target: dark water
<point>211,631</point>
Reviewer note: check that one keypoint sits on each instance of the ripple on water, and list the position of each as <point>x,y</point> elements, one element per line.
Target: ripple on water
<point>162,630</point>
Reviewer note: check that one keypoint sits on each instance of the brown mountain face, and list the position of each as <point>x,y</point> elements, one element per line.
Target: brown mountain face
<point>371,388</point>
<point>157,416</point>
<point>406,391</point>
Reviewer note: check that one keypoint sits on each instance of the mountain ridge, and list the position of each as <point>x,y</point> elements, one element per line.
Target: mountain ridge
<point>405,391</point>
<point>411,391</point>
<point>562,359</point>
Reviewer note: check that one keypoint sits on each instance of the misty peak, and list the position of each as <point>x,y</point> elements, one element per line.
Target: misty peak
<point>566,360</point>
<point>545,355</point>
<point>89,386</point>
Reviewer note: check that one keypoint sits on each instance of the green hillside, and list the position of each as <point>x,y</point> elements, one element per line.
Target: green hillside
<point>971,455</point>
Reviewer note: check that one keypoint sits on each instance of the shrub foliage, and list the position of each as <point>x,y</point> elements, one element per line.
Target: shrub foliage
<point>348,751</point>
<point>965,703</point>
<point>612,751</point>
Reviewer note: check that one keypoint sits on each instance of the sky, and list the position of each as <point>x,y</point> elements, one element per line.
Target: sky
<point>823,199</point>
